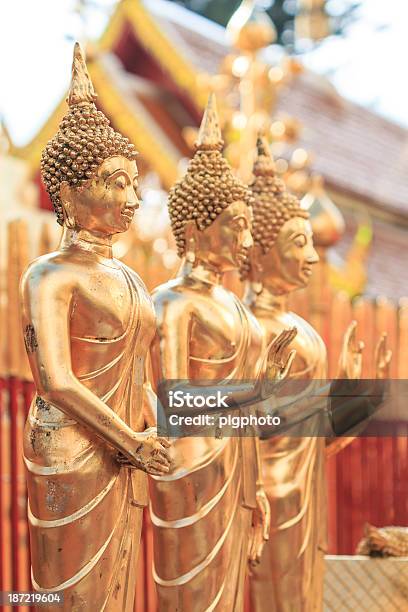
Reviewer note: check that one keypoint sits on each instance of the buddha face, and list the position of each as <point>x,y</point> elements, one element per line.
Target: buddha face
<point>288,264</point>
<point>106,204</point>
<point>226,242</point>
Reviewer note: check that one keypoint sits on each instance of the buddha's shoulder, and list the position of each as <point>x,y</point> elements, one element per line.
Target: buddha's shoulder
<point>54,264</point>
<point>57,269</point>
<point>177,295</point>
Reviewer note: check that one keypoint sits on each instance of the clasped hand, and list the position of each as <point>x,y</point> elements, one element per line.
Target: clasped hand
<point>150,455</point>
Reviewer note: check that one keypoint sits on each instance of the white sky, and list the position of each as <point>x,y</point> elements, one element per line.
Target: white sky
<point>36,37</point>
<point>368,66</point>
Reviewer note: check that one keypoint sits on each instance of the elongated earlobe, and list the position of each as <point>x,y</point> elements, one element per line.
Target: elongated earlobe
<point>69,220</point>
<point>190,251</point>
<point>257,272</point>
<point>67,207</point>
<point>257,287</point>
<point>255,269</point>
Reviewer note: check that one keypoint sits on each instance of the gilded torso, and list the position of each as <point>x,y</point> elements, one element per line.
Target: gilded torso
<point>204,335</point>
<point>223,339</point>
<point>111,324</point>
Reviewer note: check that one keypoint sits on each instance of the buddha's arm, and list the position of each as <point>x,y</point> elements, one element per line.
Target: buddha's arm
<point>149,397</point>
<point>170,348</point>
<point>261,518</point>
<point>47,305</point>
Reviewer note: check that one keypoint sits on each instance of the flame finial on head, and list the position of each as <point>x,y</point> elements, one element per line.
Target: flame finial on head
<point>264,164</point>
<point>81,90</point>
<point>262,147</point>
<point>209,135</point>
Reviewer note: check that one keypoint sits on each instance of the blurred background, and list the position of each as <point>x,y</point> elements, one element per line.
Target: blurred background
<point>325,81</point>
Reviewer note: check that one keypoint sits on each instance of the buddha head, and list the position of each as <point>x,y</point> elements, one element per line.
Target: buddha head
<point>283,254</point>
<point>88,169</point>
<point>210,209</point>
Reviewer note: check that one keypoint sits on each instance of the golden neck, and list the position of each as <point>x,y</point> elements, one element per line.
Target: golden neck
<point>87,241</point>
<point>267,299</point>
<point>202,271</point>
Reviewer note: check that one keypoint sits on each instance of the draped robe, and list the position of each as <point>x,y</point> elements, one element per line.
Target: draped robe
<point>290,575</point>
<point>202,510</point>
<point>85,511</point>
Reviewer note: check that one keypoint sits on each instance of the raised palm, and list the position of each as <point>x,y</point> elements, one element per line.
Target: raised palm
<point>351,357</point>
<point>383,357</point>
<point>277,366</point>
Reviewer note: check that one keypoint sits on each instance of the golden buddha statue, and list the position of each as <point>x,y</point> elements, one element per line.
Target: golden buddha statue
<point>88,322</point>
<point>210,509</point>
<point>290,575</point>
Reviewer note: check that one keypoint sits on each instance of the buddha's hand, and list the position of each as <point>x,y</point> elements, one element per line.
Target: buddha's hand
<point>151,453</point>
<point>351,358</point>
<point>261,519</point>
<point>383,358</point>
<point>277,368</point>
